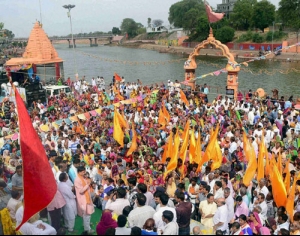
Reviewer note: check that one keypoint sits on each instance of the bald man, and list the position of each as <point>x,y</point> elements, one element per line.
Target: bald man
<point>220,218</point>
<point>197,231</point>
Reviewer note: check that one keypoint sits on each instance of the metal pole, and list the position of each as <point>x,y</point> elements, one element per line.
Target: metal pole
<point>41,13</point>
<point>75,61</point>
<point>273,36</point>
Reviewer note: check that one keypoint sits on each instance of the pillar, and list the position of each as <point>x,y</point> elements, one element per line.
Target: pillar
<point>96,41</point>
<point>69,43</point>
<point>74,43</point>
<point>189,78</point>
<point>91,42</point>
<point>232,78</point>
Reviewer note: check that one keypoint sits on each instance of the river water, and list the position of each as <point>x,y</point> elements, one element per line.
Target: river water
<point>287,84</point>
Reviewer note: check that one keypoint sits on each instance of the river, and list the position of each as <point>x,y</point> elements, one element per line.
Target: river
<point>287,84</point>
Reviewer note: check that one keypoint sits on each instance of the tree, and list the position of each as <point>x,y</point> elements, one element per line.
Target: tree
<point>178,11</point>
<point>157,23</point>
<point>263,14</point>
<point>130,27</point>
<point>190,19</point>
<point>225,34</point>
<point>116,30</point>
<point>242,14</point>
<point>202,30</point>
<point>1,25</point>
<point>149,22</point>
<point>289,13</point>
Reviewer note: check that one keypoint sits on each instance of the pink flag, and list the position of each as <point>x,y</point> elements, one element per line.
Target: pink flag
<point>212,16</point>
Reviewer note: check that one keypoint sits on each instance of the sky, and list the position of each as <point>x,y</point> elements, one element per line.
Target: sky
<point>88,15</point>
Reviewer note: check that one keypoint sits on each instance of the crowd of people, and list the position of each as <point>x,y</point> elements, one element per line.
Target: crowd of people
<point>133,192</point>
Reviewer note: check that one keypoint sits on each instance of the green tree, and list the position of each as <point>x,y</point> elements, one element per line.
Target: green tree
<point>178,11</point>
<point>289,13</point>
<point>149,22</point>
<point>263,14</point>
<point>190,19</point>
<point>202,30</point>
<point>116,30</point>
<point>242,14</point>
<point>225,34</point>
<point>130,27</point>
<point>1,25</point>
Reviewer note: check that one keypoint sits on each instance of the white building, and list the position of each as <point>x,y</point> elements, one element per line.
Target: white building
<point>226,7</point>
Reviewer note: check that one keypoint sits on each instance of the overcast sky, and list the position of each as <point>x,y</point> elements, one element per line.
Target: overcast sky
<point>88,15</point>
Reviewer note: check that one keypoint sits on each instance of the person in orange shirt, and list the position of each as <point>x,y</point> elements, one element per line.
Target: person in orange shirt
<point>76,128</point>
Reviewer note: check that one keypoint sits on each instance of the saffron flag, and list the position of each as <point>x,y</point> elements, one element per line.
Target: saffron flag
<point>287,180</point>
<point>279,192</point>
<point>36,168</point>
<point>217,157</point>
<point>166,113</point>
<point>122,121</point>
<point>117,77</point>
<point>162,119</point>
<point>252,164</point>
<point>260,161</point>
<point>213,16</point>
<point>164,156</point>
<point>291,201</point>
<point>118,134</point>
<point>174,155</point>
<point>184,146</point>
<point>279,163</point>
<point>192,147</point>
<point>134,145</point>
<point>183,98</point>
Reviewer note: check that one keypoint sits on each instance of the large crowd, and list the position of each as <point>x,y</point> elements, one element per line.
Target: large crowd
<point>133,192</point>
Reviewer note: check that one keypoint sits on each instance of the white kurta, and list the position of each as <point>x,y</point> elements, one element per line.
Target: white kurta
<point>70,209</point>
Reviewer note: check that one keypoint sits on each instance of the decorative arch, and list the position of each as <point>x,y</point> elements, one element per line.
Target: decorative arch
<point>190,65</point>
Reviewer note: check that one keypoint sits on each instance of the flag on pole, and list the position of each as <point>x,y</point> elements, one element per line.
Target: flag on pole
<point>174,155</point>
<point>134,144</point>
<point>184,146</point>
<point>183,98</point>
<point>279,192</point>
<point>213,16</point>
<point>291,201</point>
<point>36,168</point>
<point>118,134</point>
<point>117,77</point>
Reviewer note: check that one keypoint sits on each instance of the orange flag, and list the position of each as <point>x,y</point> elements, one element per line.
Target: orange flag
<point>279,163</point>
<point>166,113</point>
<point>168,148</point>
<point>287,180</point>
<point>261,155</point>
<point>198,152</point>
<point>117,77</point>
<point>134,144</point>
<point>183,98</point>
<point>174,155</point>
<point>162,119</point>
<point>267,167</point>
<point>217,157</point>
<point>122,121</point>
<point>164,156</point>
<point>290,203</point>
<point>279,192</point>
<point>252,164</point>
<point>37,172</point>
<point>118,131</point>
<point>184,146</point>
<point>192,147</point>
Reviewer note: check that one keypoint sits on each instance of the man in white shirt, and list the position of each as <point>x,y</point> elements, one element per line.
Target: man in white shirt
<point>282,223</point>
<point>261,188</point>
<point>171,226</point>
<point>229,203</point>
<point>263,205</point>
<point>12,203</point>
<point>251,116</point>
<point>138,216</point>
<point>193,190</point>
<point>163,202</point>
<point>218,191</point>
<point>122,229</point>
<point>220,218</point>
<point>117,201</point>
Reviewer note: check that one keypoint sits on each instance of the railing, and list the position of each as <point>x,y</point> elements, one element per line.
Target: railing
<point>67,38</point>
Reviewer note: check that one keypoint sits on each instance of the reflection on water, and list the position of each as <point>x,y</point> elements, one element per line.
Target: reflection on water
<point>287,84</point>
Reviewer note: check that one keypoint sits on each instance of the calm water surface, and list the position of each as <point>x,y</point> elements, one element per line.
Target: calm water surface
<point>287,84</point>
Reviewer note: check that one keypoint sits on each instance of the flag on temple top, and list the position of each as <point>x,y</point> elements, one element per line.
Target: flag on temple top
<point>118,132</point>
<point>117,77</point>
<point>37,171</point>
<point>251,157</point>
<point>134,144</point>
<point>213,16</point>
<point>183,98</point>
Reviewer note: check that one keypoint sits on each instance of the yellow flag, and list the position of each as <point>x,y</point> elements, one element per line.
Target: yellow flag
<point>261,155</point>
<point>217,161</point>
<point>279,191</point>
<point>162,119</point>
<point>290,201</point>
<point>279,163</point>
<point>166,113</point>
<point>122,121</point>
<point>192,148</point>
<point>252,164</point>
<point>118,132</point>
<point>183,98</point>
<point>184,146</point>
<point>134,144</point>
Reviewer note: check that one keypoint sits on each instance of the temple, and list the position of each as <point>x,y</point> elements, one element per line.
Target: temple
<point>40,57</point>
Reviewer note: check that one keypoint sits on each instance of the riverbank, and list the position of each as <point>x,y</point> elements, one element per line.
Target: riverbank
<point>240,54</point>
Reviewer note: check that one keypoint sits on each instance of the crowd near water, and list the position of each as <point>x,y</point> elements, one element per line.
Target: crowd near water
<point>134,186</point>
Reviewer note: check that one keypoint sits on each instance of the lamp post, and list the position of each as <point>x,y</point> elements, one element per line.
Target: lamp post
<point>69,7</point>
<point>273,35</point>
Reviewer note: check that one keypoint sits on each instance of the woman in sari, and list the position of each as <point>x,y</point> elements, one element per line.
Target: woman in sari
<point>105,223</point>
<point>255,223</point>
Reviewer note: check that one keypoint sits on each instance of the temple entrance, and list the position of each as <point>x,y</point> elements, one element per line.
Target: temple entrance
<point>190,65</point>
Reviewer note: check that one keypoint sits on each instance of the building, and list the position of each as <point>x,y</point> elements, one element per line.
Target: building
<point>226,7</point>
<point>40,58</point>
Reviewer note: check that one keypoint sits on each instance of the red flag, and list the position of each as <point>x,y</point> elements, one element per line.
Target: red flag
<point>117,77</point>
<point>37,173</point>
<point>213,16</point>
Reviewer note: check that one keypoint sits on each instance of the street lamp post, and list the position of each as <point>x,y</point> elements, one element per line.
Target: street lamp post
<point>273,36</point>
<point>69,7</point>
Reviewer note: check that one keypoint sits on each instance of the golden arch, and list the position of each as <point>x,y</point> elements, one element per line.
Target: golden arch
<point>190,65</point>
